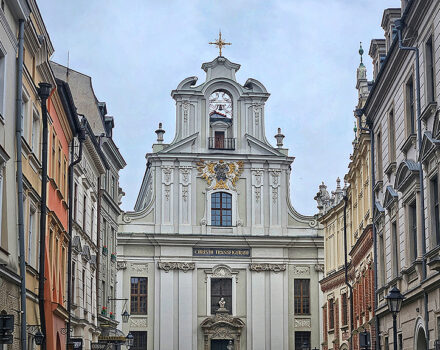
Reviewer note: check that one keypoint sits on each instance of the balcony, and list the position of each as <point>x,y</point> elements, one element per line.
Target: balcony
<point>221,143</point>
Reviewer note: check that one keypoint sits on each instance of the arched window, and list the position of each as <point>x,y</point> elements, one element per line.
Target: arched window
<point>221,209</point>
<point>220,119</point>
<point>220,104</point>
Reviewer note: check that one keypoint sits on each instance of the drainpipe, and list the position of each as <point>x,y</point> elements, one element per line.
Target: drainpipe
<point>81,139</point>
<point>43,92</point>
<point>349,286</point>
<point>359,113</point>
<point>399,26</point>
<point>18,135</point>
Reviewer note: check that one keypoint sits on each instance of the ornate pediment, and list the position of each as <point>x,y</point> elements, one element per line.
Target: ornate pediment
<point>429,146</point>
<point>390,197</point>
<point>406,173</point>
<point>220,174</point>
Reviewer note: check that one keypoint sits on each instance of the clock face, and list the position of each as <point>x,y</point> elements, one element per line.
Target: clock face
<point>221,103</point>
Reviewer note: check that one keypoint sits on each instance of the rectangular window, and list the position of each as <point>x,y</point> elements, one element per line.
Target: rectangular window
<point>381,267</point>
<point>412,221</point>
<point>302,296</point>
<point>139,340</point>
<point>113,187</point>
<point>302,340</point>
<point>410,108</point>
<point>392,136</point>
<point>35,140</point>
<point>331,314</point>
<point>84,289</point>
<point>104,233</point>
<point>387,344</point>
<point>54,156</point>
<point>2,83</point>
<point>221,209</point>
<point>435,210</point>
<point>103,290</point>
<point>84,212</point>
<point>72,286</point>
<point>31,232</point>
<point>75,201</point>
<point>92,221</point>
<point>138,296</point>
<point>24,112</point>
<point>395,244</point>
<point>59,167</point>
<point>430,77</point>
<point>221,288</point>
<point>379,157</point>
<point>344,311</point>
<point>438,328</point>
<point>91,293</point>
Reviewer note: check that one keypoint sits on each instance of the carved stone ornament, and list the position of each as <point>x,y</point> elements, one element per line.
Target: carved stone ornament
<point>221,174</point>
<point>185,175</point>
<point>267,267</point>
<point>319,267</point>
<point>121,265</point>
<point>303,323</point>
<point>167,172</point>
<point>185,108</point>
<point>221,271</point>
<point>184,266</point>
<point>139,322</point>
<point>301,270</point>
<point>139,267</point>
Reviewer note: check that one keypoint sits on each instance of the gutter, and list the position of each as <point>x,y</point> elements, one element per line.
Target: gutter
<point>81,138</point>
<point>349,286</point>
<point>369,129</point>
<point>20,224</point>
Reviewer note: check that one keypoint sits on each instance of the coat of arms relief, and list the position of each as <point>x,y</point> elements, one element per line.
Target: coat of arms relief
<point>220,174</point>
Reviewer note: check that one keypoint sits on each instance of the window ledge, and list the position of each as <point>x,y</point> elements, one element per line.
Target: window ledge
<point>429,110</point>
<point>390,168</point>
<point>410,142</point>
<point>378,186</point>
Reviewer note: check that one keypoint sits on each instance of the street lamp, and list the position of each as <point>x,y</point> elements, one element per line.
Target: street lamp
<point>129,341</point>
<point>394,301</point>
<point>38,337</point>
<point>125,316</point>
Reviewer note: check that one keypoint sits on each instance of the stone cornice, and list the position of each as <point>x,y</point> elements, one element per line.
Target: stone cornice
<point>184,266</point>
<point>267,267</point>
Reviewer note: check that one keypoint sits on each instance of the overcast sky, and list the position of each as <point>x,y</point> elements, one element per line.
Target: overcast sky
<point>304,51</point>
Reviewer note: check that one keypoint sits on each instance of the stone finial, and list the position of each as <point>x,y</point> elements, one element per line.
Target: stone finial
<point>338,183</point>
<point>361,52</point>
<point>279,137</point>
<point>160,133</point>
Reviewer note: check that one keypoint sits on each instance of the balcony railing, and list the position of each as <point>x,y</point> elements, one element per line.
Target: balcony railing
<point>222,143</point>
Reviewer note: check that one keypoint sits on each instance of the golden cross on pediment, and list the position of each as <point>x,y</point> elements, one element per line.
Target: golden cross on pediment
<point>219,43</point>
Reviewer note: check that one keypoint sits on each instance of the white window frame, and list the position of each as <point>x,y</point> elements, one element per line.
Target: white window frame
<point>31,233</point>
<point>24,112</point>
<point>221,271</point>
<point>233,208</point>
<point>3,78</point>
<point>35,133</point>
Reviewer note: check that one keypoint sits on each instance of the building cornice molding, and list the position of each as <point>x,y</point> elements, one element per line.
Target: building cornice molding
<point>183,266</point>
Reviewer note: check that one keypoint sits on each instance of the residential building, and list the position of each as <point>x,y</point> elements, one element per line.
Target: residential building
<point>348,284</point>
<point>63,126</point>
<point>11,13</point>
<point>37,51</point>
<point>214,255</point>
<point>405,216</point>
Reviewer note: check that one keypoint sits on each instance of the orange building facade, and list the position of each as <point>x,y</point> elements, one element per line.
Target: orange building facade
<point>61,132</point>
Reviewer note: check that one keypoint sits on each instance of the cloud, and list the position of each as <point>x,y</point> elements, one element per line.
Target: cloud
<point>303,51</point>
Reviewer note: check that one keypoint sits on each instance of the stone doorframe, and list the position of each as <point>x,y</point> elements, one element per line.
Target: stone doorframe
<point>222,326</point>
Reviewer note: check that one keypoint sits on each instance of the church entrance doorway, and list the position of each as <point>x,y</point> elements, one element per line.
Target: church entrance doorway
<point>221,344</point>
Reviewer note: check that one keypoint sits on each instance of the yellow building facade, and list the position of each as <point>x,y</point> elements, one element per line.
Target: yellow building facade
<point>37,51</point>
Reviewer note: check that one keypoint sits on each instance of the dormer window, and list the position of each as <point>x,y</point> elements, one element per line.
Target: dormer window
<point>220,121</point>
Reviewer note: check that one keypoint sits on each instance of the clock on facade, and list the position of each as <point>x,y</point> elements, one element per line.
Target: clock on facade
<point>220,102</point>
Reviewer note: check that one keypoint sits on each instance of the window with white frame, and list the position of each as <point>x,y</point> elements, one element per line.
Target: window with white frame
<point>31,235</point>
<point>2,82</point>
<point>24,111</point>
<point>412,229</point>
<point>35,136</point>
<point>221,209</point>
<point>221,283</point>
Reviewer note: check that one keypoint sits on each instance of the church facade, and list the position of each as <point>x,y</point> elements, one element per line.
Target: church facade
<point>214,256</point>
